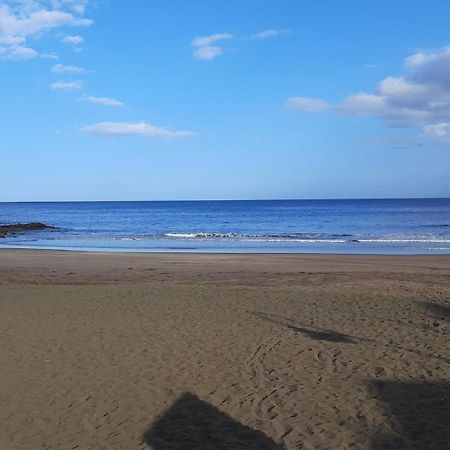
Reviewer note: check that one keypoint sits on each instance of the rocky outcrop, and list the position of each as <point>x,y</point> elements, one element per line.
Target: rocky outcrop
<point>22,227</point>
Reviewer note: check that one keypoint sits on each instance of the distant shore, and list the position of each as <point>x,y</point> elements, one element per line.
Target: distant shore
<point>262,351</point>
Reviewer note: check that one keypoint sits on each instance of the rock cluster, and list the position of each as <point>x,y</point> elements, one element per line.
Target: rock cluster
<point>22,227</point>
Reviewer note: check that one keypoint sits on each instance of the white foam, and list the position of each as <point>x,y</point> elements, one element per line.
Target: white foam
<point>181,235</point>
<point>424,241</point>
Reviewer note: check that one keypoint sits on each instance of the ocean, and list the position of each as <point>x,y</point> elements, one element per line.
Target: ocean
<point>395,226</point>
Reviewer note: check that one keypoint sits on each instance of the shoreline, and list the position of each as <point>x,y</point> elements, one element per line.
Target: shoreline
<point>180,251</point>
<point>39,265</point>
<point>7,249</point>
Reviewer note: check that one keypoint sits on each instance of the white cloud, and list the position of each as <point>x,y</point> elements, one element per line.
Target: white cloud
<point>418,99</point>
<point>123,129</point>
<point>21,20</point>
<point>439,131</point>
<point>417,59</point>
<point>21,53</point>
<point>78,6</point>
<point>208,40</point>
<point>103,101</point>
<point>66,85</point>
<point>362,104</point>
<point>61,68</point>
<point>207,53</point>
<point>306,104</point>
<point>73,39</point>
<point>48,56</point>
<point>265,34</point>
<point>207,48</point>
<point>204,49</point>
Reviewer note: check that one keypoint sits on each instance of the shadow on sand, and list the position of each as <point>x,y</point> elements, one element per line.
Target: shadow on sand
<point>438,311</point>
<point>191,423</point>
<point>419,415</point>
<point>318,334</point>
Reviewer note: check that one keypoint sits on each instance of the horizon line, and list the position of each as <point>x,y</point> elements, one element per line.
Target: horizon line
<point>227,200</point>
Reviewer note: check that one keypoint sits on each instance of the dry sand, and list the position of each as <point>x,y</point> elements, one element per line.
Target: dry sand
<point>171,351</point>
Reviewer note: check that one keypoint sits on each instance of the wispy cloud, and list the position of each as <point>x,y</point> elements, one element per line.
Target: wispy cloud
<point>78,6</point>
<point>210,47</point>
<point>306,104</point>
<point>418,99</point>
<point>204,49</point>
<point>106,101</point>
<point>66,85</point>
<point>208,40</point>
<point>373,66</point>
<point>61,68</point>
<point>208,52</point>
<point>22,20</point>
<point>48,56</point>
<point>266,34</point>
<point>123,129</point>
<point>393,141</point>
<point>73,39</point>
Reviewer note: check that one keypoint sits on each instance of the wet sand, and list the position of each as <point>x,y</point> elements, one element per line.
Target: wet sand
<point>183,351</point>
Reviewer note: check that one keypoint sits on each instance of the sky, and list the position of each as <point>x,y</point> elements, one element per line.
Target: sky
<point>224,99</point>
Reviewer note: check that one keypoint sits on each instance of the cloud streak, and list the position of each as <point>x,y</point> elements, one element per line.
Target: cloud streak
<point>204,48</point>
<point>210,47</point>
<point>307,104</point>
<point>418,99</point>
<point>106,101</point>
<point>61,68</point>
<point>266,34</point>
<point>125,129</point>
<point>66,85</point>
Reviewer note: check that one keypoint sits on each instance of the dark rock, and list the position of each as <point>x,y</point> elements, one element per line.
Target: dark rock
<point>22,227</point>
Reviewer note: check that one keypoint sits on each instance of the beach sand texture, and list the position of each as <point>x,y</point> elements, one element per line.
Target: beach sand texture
<point>179,351</point>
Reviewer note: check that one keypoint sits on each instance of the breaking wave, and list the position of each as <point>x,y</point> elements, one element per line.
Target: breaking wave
<point>308,237</point>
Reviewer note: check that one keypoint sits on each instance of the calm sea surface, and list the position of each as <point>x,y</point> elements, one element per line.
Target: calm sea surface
<point>337,226</point>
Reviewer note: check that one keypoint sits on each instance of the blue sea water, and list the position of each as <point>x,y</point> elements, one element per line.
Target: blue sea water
<point>403,226</point>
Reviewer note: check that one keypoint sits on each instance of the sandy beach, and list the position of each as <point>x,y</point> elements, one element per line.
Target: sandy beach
<point>184,351</point>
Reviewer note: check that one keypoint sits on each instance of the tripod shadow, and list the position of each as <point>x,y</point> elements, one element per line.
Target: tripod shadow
<point>419,415</point>
<point>191,423</point>
<point>318,334</point>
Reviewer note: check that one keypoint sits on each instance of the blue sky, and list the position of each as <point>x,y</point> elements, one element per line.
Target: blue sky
<point>229,99</point>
